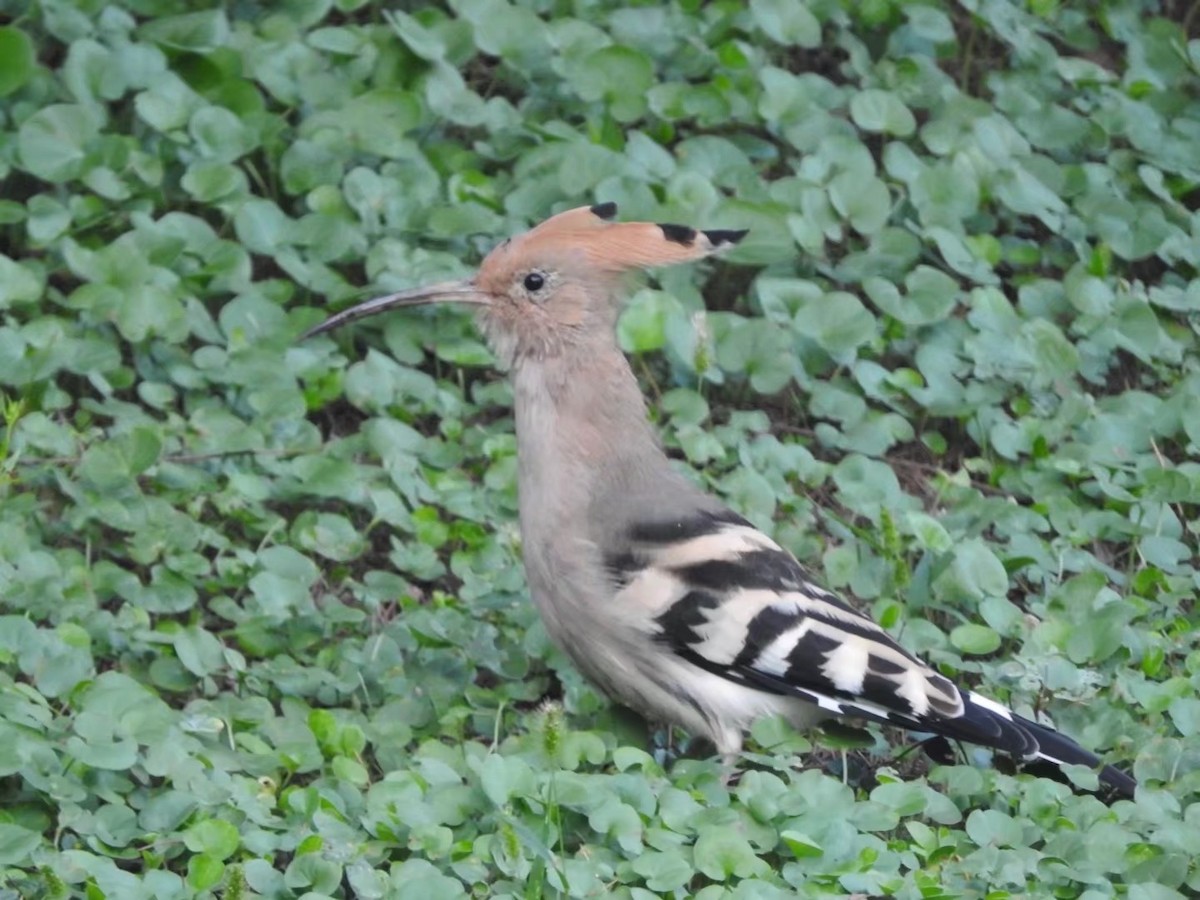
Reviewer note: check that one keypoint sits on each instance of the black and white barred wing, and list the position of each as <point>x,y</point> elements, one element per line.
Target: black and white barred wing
<point>726,598</point>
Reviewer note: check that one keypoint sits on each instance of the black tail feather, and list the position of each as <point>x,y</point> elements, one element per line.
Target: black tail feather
<point>1037,748</point>
<point>1055,747</point>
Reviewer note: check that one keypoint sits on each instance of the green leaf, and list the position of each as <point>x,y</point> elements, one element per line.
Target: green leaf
<point>1185,715</point>
<point>17,60</point>
<point>262,226</point>
<point>931,295</point>
<point>992,828</point>
<point>329,535</point>
<point>929,532</point>
<point>866,203</point>
<point>209,181</point>
<point>838,735</point>
<point>618,821</point>
<point>350,770</point>
<point>18,284</point>
<point>663,871</point>
<point>167,104</point>
<point>838,322</point>
<point>376,122</point>
<point>215,837</point>
<point>146,310</point>
<point>976,571</point>
<point>16,844</point>
<point>143,448</point>
<point>642,326</point>
<point>204,871</point>
<point>199,651</point>
<point>166,811</point>
<point>196,32</point>
<point>977,640</point>
<point>219,134</point>
<point>116,756</point>
<point>867,485</point>
<point>52,143</point>
<point>109,465</point>
<point>502,777</point>
<point>786,22</point>
<point>801,845</point>
<point>878,110</point>
<point>721,854</point>
<point>620,75</point>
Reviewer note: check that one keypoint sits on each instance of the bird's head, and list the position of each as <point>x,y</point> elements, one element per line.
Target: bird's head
<point>555,286</point>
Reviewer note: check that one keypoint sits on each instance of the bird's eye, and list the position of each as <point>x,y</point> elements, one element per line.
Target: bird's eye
<point>534,282</point>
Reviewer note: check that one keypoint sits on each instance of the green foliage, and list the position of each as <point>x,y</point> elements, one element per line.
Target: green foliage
<point>264,630</point>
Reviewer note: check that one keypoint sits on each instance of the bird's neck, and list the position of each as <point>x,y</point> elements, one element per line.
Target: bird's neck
<point>582,435</point>
<point>582,410</point>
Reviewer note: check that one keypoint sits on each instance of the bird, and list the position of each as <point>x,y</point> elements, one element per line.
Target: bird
<point>667,600</point>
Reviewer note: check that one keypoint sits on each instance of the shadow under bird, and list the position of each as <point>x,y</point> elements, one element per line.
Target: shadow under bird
<point>666,599</point>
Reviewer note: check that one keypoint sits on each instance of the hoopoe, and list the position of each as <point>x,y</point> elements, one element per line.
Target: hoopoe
<point>667,600</point>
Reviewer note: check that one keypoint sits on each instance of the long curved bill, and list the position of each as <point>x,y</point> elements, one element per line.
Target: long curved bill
<point>444,292</point>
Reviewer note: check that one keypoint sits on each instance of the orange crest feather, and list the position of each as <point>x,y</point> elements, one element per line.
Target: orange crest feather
<point>619,246</point>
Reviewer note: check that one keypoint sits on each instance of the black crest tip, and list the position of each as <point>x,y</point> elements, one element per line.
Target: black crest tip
<point>604,210</point>
<point>725,238</point>
<point>679,234</point>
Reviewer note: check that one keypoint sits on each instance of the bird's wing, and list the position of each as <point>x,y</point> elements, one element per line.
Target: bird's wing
<point>722,595</point>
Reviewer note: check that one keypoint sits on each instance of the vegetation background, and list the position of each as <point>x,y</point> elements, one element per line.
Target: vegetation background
<point>264,630</point>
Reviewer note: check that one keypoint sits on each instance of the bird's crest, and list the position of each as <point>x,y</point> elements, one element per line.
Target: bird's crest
<point>619,246</point>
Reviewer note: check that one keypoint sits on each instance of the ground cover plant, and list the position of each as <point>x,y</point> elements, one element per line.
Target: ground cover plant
<point>263,624</point>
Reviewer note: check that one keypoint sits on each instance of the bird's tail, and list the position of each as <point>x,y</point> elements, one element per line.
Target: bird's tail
<point>1058,749</point>
<point>1037,747</point>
